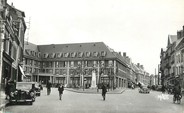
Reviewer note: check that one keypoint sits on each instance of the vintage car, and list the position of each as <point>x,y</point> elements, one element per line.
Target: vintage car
<point>144,89</point>
<point>37,89</point>
<point>24,92</point>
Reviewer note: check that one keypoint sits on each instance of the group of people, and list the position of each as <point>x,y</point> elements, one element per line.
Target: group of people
<point>176,90</point>
<point>61,89</point>
<point>9,86</point>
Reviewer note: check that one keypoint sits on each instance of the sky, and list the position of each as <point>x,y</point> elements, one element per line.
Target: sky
<point>138,27</point>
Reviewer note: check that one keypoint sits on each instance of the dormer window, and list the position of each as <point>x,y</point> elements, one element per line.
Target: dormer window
<point>66,55</point>
<point>45,55</point>
<point>27,51</point>
<point>39,54</point>
<point>59,55</point>
<point>88,54</point>
<point>103,53</point>
<point>73,54</point>
<point>80,54</point>
<point>52,55</point>
<point>95,54</point>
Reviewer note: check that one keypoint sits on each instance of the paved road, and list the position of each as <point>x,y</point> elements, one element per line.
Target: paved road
<point>128,102</point>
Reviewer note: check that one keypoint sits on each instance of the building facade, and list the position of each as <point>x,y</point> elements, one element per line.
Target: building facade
<point>76,65</point>
<point>12,30</point>
<point>172,60</point>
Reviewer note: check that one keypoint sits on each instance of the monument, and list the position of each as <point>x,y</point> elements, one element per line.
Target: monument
<point>93,82</point>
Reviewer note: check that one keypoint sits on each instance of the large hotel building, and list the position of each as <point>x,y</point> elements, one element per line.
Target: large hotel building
<point>77,64</point>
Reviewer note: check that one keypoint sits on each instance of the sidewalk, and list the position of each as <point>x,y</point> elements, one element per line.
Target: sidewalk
<point>3,102</point>
<point>94,90</point>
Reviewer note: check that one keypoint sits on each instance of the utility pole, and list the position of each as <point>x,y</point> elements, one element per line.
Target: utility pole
<point>158,74</point>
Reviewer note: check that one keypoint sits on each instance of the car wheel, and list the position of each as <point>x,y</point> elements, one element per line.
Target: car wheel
<point>33,99</point>
<point>31,103</point>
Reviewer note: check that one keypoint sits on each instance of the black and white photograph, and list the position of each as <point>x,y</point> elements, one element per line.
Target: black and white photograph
<point>92,56</point>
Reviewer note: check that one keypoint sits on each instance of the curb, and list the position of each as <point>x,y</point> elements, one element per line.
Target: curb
<point>95,92</point>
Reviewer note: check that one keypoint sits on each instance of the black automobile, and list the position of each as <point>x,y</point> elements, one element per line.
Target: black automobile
<point>144,89</point>
<point>24,92</point>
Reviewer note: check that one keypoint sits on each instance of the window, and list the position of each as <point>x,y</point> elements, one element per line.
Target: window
<point>61,64</point>
<point>95,63</point>
<point>73,54</point>
<point>45,55</point>
<point>56,64</point>
<point>30,70</point>
<point>80,54</point>
<point>66,55</point>
<point>88,54</point>
<point>57,71</point>
<point>30,62</point>
<point>59,55</point>
<point>72,64</point>
<point>103,53</point>
<point>110,63</point>
<point>95,54</point>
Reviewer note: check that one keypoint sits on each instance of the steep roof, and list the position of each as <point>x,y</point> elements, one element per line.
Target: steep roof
<point>121,58</point>
<point>178,41</point>
<point>171,39</point>
<point>30,46</point>
<point>76,47</point>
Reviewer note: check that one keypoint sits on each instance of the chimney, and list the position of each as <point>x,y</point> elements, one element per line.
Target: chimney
<point>124,54</point>
<point>120,53</point>
<point>183,31</point>
<point>2,4</point>
<point>141,66</point>
<point>178,34</point>
<point>138,65</point>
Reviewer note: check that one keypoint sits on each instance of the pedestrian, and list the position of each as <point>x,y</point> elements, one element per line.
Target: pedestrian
<point>7,90</point>
<point>60,89</point>
<point>48,86</point>
<point>163,89</point>
<point>104,91</point>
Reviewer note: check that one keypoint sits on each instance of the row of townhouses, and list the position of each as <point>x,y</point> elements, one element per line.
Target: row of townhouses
<point>172,60</point>
<point>12,30</point>
<point>81,64</point>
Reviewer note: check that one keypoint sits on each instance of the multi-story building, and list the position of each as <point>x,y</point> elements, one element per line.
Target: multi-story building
<point>172,60</point>
<point>12,30</point>
<point>179,57</point>
<point>76,64</point>
<point>167,66</point>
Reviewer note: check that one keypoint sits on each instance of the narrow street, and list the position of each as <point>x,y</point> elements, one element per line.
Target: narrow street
<point>128,102</point>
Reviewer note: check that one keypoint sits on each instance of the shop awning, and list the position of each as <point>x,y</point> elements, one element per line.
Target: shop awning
<point>22,71</point>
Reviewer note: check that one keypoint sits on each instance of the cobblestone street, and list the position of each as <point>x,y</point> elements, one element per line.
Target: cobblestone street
<point>129,101</point>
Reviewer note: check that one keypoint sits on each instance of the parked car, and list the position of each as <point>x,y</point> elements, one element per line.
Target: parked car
<point>37,89</point>
<point>158,87</point>
<point>24,92</point>
<point>144,89</point>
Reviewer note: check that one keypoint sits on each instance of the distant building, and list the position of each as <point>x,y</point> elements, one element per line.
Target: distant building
<point>172,60</point>
<point>75,64</point>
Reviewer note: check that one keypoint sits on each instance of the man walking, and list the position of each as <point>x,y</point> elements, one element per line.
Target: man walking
<point>104,91</point>
<point>60,89</point>
<point>48,86</point>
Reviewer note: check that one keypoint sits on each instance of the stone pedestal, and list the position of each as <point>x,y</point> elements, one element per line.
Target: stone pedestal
<point>93,82</point>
